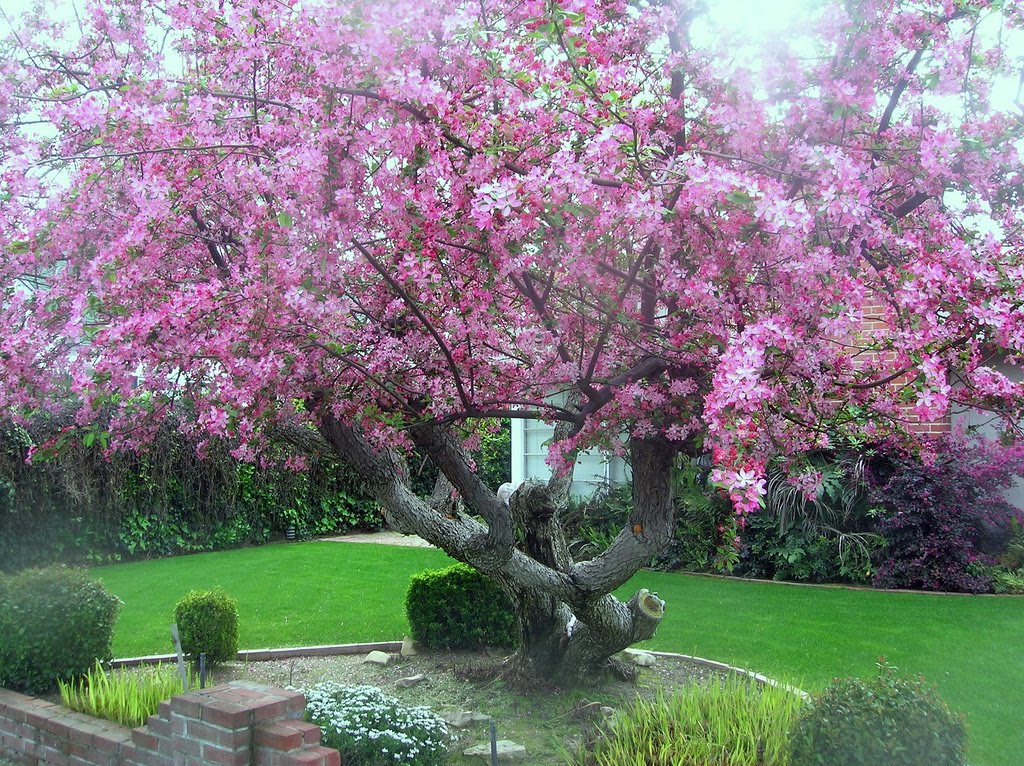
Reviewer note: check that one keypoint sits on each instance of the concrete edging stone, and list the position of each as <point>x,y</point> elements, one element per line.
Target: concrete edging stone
<point>333,650</point>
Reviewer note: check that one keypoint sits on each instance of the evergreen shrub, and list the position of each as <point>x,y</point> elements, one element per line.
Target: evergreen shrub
<point>459,608</point>
<point>55,623</point>
<point>891,719</point>
<point>208,624</point>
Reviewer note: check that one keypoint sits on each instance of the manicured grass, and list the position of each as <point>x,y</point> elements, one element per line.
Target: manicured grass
<point>288,595</point>
<point>314,593</point>
<point>970,647</point>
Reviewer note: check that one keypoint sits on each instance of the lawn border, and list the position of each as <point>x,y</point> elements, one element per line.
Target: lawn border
<point>833,585</point>
<point>260,655</point>
<point>715,665</point>
<point>332,650</point>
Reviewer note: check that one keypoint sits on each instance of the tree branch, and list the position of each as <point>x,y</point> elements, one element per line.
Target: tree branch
<point>526,287</point>
<point>427,324</point>
<point>910,205</point>
<point>897,91</point>
<point>650,528</point>
<point>495,547</point>
<point>211,246</point>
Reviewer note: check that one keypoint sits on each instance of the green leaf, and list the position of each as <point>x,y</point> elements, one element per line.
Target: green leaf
<point>285,220</point>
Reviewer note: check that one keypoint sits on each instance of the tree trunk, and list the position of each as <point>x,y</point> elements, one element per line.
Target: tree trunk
<point>562,648</point>
<point>570,624</point>
<point>568,642</point>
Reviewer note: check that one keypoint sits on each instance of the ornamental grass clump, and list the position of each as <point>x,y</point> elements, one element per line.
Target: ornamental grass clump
<point>369,727</point>
<point>727,722</point>
<point>128,697</point>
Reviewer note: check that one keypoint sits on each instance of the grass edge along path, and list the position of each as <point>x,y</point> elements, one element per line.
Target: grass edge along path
<point>323,592</point>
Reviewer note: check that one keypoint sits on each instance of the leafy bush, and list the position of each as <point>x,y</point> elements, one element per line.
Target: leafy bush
<point>494,457</point>
<point>126,696</point>
<point>726,722</point>
<point>490,443</point>
<point>705,535</point>
<point>1008,582</point>
<point>208,623</point>
<point>369,727</point>
<point>55,623</point>
<point>459,608</point>
<point>591,523</point>
<point>797,554</point>
<point>826,538</point>
<point>75,503</point>
<point>891,719</point>
<point>1008,576</point>
<point>944,513</point>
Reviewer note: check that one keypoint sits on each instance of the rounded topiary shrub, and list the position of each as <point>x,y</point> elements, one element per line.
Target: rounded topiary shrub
<point>892,720</point>
<point>459,608</point>
<point>208,624</point>
<point>55,623</point>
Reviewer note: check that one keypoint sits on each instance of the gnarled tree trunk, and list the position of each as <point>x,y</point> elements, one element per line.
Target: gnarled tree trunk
<point>570,623</point>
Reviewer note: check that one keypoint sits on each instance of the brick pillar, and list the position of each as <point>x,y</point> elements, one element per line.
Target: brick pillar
<point>234,724</point>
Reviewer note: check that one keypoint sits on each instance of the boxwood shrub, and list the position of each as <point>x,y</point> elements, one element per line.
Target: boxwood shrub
<point>55,623</point>
<point>208,624</point>
<point>459,608</point>
<point>891,719</point>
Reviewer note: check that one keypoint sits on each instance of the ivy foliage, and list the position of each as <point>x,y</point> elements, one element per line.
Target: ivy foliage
<point>75,502</point>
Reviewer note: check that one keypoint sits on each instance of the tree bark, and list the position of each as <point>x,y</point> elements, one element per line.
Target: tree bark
<point>569,622</point>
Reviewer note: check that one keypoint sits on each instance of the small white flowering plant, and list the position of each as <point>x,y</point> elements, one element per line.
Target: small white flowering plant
<point>371,728</point>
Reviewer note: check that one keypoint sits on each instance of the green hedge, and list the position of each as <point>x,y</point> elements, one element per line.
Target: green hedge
<point>75,504</point>
<point>459,608</point>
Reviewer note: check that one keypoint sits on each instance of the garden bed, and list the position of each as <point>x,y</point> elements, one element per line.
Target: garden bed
<point>548,722</point>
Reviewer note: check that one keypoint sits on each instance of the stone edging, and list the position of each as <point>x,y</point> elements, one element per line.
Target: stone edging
<point>259,655</point>
<point>714,664</point>
<point>333,650</point>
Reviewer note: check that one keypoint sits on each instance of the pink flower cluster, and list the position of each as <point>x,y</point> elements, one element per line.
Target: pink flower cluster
<point>398,211</point>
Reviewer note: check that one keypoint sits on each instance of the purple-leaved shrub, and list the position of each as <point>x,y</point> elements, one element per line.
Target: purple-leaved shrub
<point>944,511</point>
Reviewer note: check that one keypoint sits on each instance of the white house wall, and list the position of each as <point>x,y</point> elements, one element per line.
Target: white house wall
<point>987,425</point>
<point>529,454</point>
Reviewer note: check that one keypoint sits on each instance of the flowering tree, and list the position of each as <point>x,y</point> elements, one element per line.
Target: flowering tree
<point>365,225</point>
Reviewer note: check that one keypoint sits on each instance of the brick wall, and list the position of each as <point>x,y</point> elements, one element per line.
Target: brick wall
<point>235,724</point>
<point>873,326</point>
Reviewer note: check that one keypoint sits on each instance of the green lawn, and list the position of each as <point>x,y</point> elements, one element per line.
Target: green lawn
<point>314,593</point>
